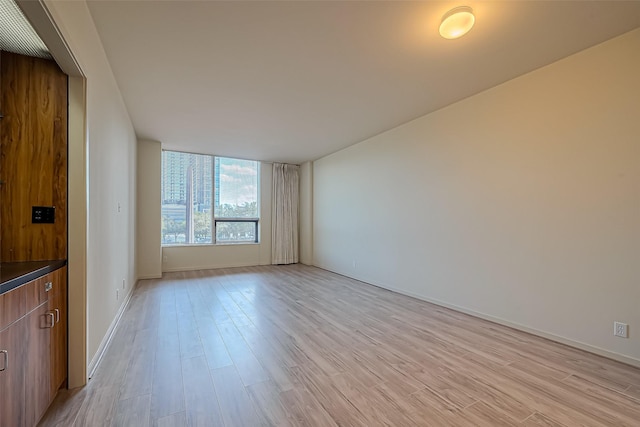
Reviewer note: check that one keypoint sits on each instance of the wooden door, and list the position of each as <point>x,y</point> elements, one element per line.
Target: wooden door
<point>58,305</point>
<point>37,364</point>
<point>12,389</point>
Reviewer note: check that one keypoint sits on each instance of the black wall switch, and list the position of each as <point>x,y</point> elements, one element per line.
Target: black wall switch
<point>43,214</point>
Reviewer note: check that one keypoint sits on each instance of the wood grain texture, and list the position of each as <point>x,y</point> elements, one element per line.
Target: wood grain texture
<point>13,305</point>
<point>65,407</point>
<point>12,340</point>
<point>37,349</point>
<point>58,305</point>
<point>167,395</point>
<point>133,411</point>
<point>33,157</point>
<point>36,293</point>
<point>201,402</point>
<point>539,420</point>
<point>299,346</point>
<point>178,419</point>
<point>235,405</point>
<point>98,408</point>
<point>633,391</point>
<point>37,369</point>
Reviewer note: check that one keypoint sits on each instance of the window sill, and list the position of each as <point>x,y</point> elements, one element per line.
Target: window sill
<point>208,245</point>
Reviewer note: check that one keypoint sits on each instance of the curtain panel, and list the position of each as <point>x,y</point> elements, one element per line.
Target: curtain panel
<point>284,228</point>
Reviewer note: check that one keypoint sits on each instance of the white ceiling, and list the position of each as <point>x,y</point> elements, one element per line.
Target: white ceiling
<point>294,81</point>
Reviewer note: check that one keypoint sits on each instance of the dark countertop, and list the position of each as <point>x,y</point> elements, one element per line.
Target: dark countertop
<point>14,274</point>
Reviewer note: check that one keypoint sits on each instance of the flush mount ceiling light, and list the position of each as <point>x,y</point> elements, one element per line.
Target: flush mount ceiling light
<point>457,22</point>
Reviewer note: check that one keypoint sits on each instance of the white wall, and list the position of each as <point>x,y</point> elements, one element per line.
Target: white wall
<point>111,151</point>
<point>149,221</point>
<point>77,235</point>
<point>306,213</point>
<point>521,203</point>
<point>196,257</point>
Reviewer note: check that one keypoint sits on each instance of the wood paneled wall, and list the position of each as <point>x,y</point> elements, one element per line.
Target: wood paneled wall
<point>33,157</point>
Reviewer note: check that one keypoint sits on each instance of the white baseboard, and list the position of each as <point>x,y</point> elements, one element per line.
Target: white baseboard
<point>559,339</point>
<point>95,361</point>
<point>150,276</point>
<point>212,267</point>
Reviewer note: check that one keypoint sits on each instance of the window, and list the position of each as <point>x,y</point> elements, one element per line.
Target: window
<point>208,199</point>
<point>236,200</point>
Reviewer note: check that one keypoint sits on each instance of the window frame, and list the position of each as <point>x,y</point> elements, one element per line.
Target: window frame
<point>215,220</point>
<point>234,242</point>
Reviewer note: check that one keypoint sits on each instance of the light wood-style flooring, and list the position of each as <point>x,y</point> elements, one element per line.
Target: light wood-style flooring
<point>300,346</point>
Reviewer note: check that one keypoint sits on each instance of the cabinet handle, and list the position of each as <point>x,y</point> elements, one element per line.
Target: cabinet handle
<point>53,320</point>
<point>57,315</point>
<point>5,353</point>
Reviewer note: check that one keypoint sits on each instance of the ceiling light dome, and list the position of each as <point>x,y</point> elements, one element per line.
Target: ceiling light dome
<point>457,22</point>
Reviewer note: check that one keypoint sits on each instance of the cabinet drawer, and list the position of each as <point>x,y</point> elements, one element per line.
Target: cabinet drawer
<point>13,346</point>
<point>13,305</point>
<point>55,282</point>
<point>36,291</point>
<point>24,299</point>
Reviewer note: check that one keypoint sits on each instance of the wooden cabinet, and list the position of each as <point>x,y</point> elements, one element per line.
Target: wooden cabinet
<point>12,392</point>
<point>33,172</point>
<point>37,367</point>
<point>58,307</point>
<point>33,348</point>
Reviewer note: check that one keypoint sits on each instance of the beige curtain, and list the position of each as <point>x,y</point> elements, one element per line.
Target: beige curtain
<point>284,228</point>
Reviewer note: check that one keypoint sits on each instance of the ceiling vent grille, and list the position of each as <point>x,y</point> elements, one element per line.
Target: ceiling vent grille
<point>17,35</point>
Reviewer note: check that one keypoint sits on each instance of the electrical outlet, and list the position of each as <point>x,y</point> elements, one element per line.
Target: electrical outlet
<point>117,294</point>
<point>165,258</point>
<point>620,329</point>
<point>122,283</point>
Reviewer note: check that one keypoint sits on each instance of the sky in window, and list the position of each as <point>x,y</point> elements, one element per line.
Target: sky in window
<point>238,181</point>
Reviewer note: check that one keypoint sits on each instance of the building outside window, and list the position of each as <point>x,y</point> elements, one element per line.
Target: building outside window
<point>191,182</point>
